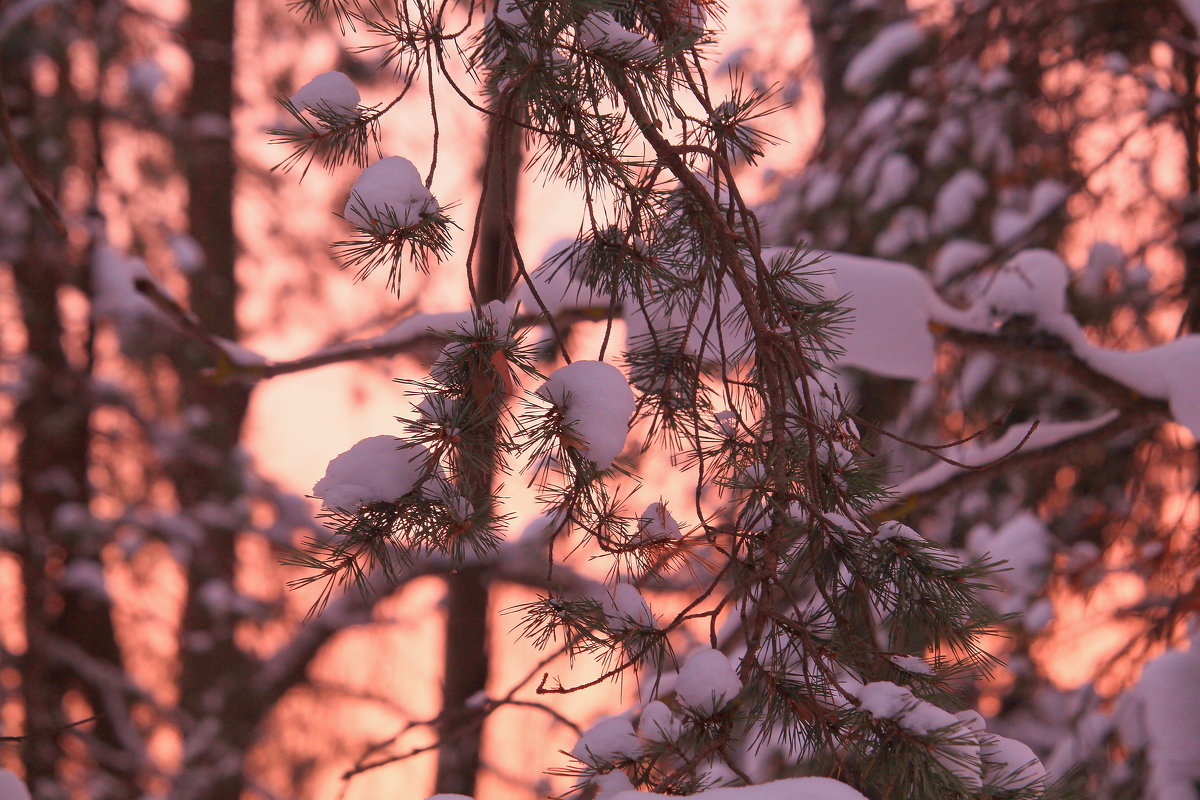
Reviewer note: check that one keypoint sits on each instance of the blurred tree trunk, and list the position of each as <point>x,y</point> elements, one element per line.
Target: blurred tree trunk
<point>207,472</point>
<point>68,622</point>
<point>466,657</point>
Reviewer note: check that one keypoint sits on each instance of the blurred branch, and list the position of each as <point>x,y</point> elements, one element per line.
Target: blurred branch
<point>44,198</point>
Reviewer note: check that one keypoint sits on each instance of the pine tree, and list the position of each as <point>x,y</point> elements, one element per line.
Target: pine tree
<point>836,641</point>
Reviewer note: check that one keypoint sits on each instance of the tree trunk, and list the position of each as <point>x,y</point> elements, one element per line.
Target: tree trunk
<point>207,475</point>
<point>465,673</point>
<point>52,465</point>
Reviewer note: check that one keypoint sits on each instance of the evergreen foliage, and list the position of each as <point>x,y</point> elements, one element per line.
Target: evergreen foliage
<point>813,599</point>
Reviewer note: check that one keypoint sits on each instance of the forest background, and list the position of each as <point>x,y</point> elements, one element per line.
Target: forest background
<point>146,504</point>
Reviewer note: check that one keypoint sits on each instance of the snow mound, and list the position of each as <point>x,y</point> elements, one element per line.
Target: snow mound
<point>1024,544</point>
<point>389,195</point>
<point>891,529</point>
<point>609,784</point>
<point>508,12</point>
<point>597,403</point>
<point>373,470</point>
<point>913,664</point>
<point>958,256</point>
<point>627,608</point>
<point>957,199</point>
<point>707,682</point>
<point>329,91</point>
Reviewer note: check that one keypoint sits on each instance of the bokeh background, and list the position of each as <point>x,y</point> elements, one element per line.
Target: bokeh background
<point>146,506</point>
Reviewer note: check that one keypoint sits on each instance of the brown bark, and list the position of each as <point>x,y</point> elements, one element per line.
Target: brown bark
<point>466,655</point>
<point>214,670</point>
<point>52,466</point>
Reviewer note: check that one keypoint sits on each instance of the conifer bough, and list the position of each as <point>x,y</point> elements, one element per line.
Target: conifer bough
<point>833,643</point>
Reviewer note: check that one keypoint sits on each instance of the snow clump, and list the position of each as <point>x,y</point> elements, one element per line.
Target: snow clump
<point>610,784</point>
<point>658,724</point>
<point>707,682</point>
<point>511,14</point>
<point>957,256</point>
<point>957,199</point>
<point>374,470</point>
<point>1032,283</point>
<point>886,700</point>
<point>1011,765</point>
<point>889,302</point>
<point>1025,546</point>
<point>657,524</point>
<point>913,664</point>
<point>606,741</point>
<point>891,529</point>
<point>597,403</point>
<point>389,195</point>
<point>556,285</point>
<point>626,608</point>
<point>329,92</point>
<point>601,33</point>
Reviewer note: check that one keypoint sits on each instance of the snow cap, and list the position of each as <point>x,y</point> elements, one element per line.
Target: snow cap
<point>656,523</point>
<point>600,32</point>
<point>658,724</point>
<point>1011,765</point>
<point>329,91</point>
<point>373,470</point>
<point>707,682</point>
<point>892,44</point>
<point>597,403</point>
<point>389,194</point>
<point>627,608</point>
<point>606,741</point>
<point>1033,282</point>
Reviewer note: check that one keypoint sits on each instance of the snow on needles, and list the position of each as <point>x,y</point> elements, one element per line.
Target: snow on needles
<point>607,741</point>
<point>961,757</point>
<point>707,682</point>
<point>378,469</point>
<point>329,92</point>
<point>601,33</point>
<point>597,403</point>
<point>389,195</point>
